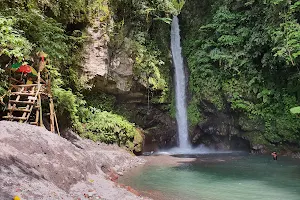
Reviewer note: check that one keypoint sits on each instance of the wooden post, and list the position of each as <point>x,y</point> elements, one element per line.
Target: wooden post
<point>37,116</point>
<point>51,115</point>
<point>57,128</point>
<point>41,66</point>
<point>41,111</point>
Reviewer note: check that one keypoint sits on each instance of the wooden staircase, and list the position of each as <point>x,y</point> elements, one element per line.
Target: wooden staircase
<point>25,105</point>
<point>24,99</point>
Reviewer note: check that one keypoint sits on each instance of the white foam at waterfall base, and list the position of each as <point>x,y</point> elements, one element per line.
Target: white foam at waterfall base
<point>201,149</point>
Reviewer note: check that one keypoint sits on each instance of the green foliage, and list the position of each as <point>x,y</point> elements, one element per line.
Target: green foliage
<point>147,65</point>
<point>245,54</point>
<point>295,110</point>
<point>95,124</point>
<point>101,101</point>
<point>45,33</point>
<point>68,103</point>
<point>194,114</point>
<point>12,41</point>
<point>64,11</point>
<point>144,10</point>
<point>139,28</point>
<point>178,4</point>
<point>110,128</point>
<point>26,27</point>
<point>134,31</point>
<point>164,19</point>
<point>13,44</point>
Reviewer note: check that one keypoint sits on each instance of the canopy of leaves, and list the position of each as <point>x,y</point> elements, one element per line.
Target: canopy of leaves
<point>245,54</point>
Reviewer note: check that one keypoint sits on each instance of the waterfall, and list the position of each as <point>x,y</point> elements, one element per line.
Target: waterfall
<point>180,85</point>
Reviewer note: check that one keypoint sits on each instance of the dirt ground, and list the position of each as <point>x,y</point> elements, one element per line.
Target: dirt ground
<point>36,164</point>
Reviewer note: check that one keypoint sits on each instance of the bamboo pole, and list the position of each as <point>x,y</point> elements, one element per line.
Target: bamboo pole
<point>41,66</point>
<point>37,113</point>
<point>57,128</point>
<point>41,111</point>
<point>51,106</point>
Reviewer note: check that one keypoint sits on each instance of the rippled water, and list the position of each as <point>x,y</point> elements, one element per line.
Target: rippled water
<point>245,178</point>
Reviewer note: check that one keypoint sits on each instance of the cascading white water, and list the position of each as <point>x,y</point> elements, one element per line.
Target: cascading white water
<point>180,85</point>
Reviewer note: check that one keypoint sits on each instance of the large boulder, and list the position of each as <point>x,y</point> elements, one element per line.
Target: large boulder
<point>110,70</point>
<point>37,164</point>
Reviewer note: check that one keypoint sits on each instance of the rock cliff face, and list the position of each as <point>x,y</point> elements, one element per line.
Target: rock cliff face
<point>111,71</point>
<point>227,130</point>
<point>96,52</point>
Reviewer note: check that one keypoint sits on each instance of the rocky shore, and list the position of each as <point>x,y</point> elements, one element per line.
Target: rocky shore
<point>36,164</point>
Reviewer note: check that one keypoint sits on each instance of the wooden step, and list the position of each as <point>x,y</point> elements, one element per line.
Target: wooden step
<point>28,85</point>
<point>22,94</point>
<point>33,123</point>
<point>23,102</point>
<point>12,117</point>
<point>18,109</point>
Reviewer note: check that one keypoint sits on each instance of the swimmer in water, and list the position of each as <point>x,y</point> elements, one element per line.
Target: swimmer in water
<point>274,154</point>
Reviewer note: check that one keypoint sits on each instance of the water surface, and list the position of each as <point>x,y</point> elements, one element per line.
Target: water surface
<point>210,177</point>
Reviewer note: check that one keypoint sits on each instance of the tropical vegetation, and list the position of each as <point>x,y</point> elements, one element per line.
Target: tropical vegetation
<point>243,57</point>
<point>59,29</point>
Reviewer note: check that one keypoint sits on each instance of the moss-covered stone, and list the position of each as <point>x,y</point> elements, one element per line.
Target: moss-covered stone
<point>138,141</point>
<point>247,124</point>
<point>255,138</point>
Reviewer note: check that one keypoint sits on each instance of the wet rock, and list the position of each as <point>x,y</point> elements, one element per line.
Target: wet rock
<point>258,149</point>
<point>159,128</point>
<point>249,125</point>
<point>296,155</point>
<point>227,129</point>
